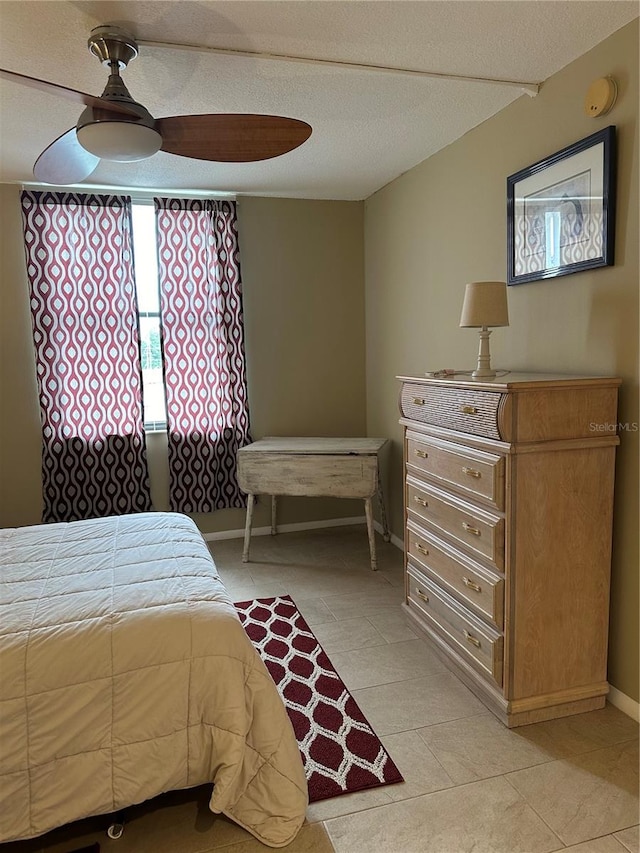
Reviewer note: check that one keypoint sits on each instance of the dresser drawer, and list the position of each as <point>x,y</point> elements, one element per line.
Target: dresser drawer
<point>478,474</point>
<point>478,530</point>
<point>469,411</point>
<point>458,574</point>
<point>475,641</point>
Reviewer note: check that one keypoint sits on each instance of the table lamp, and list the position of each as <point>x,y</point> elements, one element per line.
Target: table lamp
<point>485,304</point>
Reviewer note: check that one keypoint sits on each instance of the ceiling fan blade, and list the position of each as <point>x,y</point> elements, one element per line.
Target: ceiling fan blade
<point>65,161</point>
<point>231,138</point>
<point>69,94</point>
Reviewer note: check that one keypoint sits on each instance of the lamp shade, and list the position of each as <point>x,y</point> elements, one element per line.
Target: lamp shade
<point>485,304</point>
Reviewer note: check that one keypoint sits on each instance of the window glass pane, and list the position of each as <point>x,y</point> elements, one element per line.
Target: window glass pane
<point>144,252</point>
<point>152,382</point>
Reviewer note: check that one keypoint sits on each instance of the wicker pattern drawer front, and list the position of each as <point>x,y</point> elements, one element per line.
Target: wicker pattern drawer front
<point>470,411</point>
<point>473,640</point>
<point>476,529</point>
<point>478,474</point>
<point>459,575</point>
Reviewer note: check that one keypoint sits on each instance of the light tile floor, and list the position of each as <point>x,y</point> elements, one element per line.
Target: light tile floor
<point>470,783</point>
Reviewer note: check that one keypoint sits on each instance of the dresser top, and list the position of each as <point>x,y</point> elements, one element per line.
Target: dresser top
<point>512,380</point>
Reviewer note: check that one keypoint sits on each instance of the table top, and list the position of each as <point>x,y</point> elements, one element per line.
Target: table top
<point>314,446</point>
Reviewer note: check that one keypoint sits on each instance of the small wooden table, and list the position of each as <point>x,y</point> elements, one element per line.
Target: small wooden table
<point>312,467</point>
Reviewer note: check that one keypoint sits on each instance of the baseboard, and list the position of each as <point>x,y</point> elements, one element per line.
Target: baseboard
<point>285,528</point>
<point>624,703</point>
<point>394,539</point>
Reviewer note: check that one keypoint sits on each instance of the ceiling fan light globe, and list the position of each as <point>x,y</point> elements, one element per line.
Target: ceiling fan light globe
<point>123,141</point>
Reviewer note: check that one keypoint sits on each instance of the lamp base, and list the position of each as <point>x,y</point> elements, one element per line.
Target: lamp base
<point>484,373</point>
<point>484,370</point>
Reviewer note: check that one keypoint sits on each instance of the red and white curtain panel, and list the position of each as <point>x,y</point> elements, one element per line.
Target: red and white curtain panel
<point>203,350</point>
<point>85,331</point>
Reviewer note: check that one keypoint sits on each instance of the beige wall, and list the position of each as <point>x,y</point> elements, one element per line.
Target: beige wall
<point>302,266</point>
<point>443,224</point>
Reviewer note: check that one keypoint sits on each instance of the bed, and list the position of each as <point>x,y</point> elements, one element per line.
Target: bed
<point>125,673</point>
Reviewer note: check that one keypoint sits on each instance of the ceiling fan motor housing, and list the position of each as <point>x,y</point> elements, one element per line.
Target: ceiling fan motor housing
<point>112,44</point>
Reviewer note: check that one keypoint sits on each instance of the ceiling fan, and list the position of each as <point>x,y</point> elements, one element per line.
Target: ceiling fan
<point>115,127</point>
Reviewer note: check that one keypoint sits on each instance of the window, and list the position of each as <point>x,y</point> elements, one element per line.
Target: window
<point>146,273</point>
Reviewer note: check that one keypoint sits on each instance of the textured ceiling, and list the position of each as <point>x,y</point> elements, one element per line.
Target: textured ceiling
<point>368,127</point>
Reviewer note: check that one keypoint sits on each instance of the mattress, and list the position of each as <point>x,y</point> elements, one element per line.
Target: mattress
<point>125,673</point>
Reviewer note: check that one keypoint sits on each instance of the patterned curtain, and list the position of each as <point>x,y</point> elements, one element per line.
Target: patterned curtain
<point>85,332</point>
<point>203,350</point>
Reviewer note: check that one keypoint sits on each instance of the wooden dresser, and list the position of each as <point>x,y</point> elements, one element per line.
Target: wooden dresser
<point>508,511</point>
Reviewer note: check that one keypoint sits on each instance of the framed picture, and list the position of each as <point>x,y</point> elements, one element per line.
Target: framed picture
<point>561,210</point>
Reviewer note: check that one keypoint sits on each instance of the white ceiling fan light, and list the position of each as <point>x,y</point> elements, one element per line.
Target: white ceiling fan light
<point>123,141</point>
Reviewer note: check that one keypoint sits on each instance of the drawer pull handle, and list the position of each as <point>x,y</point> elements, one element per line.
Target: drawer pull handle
<point>471,585</point>
<point>471,472</point>
<point>468,410</point>
<point>421,548</point>
<point>420,501</point>
<point>422,454</point>
<point>422,595</point>
<point>471,639</point>
<point>418,401</point>
<point>470,529</point>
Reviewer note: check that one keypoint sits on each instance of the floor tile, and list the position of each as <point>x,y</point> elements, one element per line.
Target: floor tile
<point>348,635</point>
<point>393,625</point>
<point>238,577</point>
<point>484,817</point>
<point>369,667</point>
<point>289,550</point>
<point>383,599</point>
<point>393,573</point>
<point>348,804</point>
<point>585,796</point>
<point>480,747</point>
<point>248,591</point>
<point>604,844</point>
<point>421,771</point>
<point>581,732</point>
<point>314,611</point>
<point>310,839</point>
<point>629,838</point>
<point>326,583</point>
<point>407,705</point>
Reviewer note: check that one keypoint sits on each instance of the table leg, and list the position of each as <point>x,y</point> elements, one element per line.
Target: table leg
<point>368,511</point>
<point>247,528</point>
<point>383,514</point>
<point>274,504</point>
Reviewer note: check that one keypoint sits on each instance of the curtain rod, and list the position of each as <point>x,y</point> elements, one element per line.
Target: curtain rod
<point>136,193</point>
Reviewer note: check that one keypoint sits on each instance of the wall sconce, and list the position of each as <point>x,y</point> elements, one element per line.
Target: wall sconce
<point>485,304</point>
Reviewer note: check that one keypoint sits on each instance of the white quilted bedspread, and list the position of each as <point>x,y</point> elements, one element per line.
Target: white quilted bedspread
<point>125,672</point>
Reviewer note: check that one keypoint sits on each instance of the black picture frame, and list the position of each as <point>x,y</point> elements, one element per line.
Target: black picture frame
<point>561,211</point>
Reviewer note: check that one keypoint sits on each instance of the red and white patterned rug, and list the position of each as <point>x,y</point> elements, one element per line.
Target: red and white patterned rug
<point>340,751</point>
